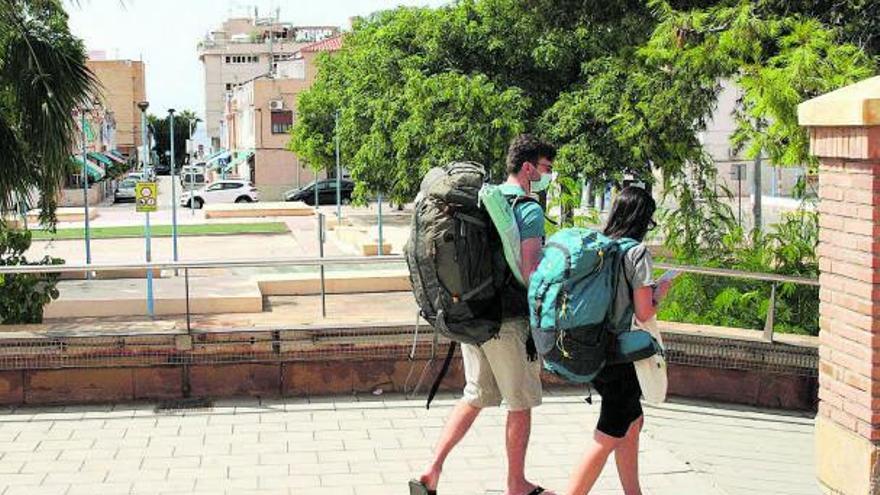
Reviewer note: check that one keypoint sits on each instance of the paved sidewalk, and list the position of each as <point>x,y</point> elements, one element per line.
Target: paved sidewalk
<point>362,446</point>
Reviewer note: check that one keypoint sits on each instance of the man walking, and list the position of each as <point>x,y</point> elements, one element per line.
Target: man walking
<point>502,369</point>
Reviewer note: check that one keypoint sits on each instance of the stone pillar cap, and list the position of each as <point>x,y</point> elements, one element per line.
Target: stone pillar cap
<point>854,105</point>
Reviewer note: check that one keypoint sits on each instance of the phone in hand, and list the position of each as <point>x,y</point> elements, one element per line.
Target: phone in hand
<point>668,276</point>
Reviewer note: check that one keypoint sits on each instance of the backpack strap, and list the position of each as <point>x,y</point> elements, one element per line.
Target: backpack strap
<point>515,200</point>
<point>624,245</point>
<point>442,374</point>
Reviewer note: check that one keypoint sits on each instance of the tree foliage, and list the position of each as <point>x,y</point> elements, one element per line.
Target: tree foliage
<point>621,87</point>
<point>161,127</point>
<point>43,79</point>
<point>22,296</point>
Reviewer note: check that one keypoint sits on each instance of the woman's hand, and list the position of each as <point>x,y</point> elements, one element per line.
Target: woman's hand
<point>661,289</point>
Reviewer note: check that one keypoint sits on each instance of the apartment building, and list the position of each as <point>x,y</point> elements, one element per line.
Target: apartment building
<point>242,49</point>
<point>122,87</point>
<point>259,114</point>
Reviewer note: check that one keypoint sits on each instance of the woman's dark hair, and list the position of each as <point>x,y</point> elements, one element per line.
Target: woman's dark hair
<point>631,214</point>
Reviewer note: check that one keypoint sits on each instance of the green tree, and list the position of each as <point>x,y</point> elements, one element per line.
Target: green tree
<point>162,139</point>
<point>622,88</point>
<point>23,296</point>
<point>43,80</point>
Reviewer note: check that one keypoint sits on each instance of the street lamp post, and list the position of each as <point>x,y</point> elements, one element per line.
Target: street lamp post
<point>143,105</point>
<point>173,187</point>
<point>85,181</point>
<point>192,175</point>
<point>338,175</point>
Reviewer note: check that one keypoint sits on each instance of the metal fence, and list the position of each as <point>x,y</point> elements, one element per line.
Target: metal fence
<point>127,347</point>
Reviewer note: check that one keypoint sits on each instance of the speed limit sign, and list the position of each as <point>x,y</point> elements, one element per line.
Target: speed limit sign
<point>146,197</point>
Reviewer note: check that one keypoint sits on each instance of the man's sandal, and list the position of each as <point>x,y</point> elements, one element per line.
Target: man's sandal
<point>416,487</point>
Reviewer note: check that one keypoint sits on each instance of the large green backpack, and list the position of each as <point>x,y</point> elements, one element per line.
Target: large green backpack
<point>454,269</point>
<point>453,272</point>
<point>571,301</point>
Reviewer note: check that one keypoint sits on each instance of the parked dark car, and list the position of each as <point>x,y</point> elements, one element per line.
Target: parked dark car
<point>326,192</point>
<point>163,169</point>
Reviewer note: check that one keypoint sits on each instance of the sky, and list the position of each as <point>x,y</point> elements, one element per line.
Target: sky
<point>164,33</point>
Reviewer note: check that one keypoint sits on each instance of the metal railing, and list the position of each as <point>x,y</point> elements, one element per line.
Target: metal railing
<point>322,262</point>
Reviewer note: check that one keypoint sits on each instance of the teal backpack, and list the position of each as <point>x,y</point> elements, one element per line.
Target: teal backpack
<point>571,300</point>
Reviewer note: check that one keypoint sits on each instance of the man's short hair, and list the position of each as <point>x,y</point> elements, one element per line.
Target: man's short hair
<point>527,148</point>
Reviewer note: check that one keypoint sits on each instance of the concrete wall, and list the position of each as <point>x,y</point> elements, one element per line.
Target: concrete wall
<point>315,361</point>
<point>123,83</point>
<point>74,197</point>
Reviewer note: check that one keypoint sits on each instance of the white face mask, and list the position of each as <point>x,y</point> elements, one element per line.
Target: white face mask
<point>542,183</point>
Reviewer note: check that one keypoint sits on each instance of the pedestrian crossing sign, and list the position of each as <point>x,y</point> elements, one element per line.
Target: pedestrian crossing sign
<point>146,196</point>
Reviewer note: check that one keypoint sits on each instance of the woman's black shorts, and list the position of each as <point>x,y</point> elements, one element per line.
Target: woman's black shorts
<point>620,391</point>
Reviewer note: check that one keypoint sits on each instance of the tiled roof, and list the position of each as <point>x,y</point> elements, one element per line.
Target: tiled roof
<point>327,45</point>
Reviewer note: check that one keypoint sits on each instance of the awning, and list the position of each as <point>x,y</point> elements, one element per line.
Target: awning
<point>95,172</point>
<point>215,160</point>
<point>101,158</point>
<point>240,157</point>
<point>115,156</point>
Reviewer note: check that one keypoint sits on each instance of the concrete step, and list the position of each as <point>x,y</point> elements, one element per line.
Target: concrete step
<point>335,282</point>
<point>127,297</point>
<point>259,209</point>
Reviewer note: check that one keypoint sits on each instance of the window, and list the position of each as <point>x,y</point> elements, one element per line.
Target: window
<point>216,187</point>
<point>228,86</point>
<point>232,185</point>
<point>242,59</point>
<point>281,121</point>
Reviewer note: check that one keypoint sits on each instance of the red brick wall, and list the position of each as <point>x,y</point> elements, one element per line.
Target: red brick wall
<point>849,261</point>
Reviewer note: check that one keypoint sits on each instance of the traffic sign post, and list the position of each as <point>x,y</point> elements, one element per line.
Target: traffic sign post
<point>145,197</point>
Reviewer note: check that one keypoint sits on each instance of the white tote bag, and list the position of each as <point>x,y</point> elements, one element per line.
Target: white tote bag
<point>651,371</point>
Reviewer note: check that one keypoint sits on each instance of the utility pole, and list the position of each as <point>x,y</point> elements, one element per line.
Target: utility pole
<point>147,240</point>
<point>192,171</point>
<point>85,178</point>
<point>756,188</point>
<point>173,186</point>
<point>338,173</point>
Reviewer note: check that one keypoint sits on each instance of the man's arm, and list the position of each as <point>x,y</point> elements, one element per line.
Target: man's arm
<point>532,239</point>
<point>530,249</point>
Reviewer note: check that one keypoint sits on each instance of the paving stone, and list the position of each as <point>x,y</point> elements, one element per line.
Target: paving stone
<point>369,445</point>
<point>37,490</point>
<point>100,489</point>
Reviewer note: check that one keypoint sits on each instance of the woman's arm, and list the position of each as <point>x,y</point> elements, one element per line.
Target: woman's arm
<point>647,298</point>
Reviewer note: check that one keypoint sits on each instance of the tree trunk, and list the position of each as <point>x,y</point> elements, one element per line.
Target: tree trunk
<point>757,191</point>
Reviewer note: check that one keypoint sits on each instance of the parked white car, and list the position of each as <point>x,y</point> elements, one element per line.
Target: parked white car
<point>125,190</point>
<point>222,191</point>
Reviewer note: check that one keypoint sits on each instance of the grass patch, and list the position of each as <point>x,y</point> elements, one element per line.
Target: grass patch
<point>163,231</point>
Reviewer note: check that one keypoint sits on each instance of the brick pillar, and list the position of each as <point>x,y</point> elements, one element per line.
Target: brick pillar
<point>844,131</point>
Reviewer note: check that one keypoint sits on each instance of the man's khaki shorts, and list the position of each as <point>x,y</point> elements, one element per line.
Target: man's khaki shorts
<point>500,369</point>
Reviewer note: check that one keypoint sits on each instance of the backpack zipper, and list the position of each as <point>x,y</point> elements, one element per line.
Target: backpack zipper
<point>560,339</point>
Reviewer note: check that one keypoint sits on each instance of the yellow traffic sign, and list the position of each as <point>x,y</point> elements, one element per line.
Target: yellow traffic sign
<point>146,196</point>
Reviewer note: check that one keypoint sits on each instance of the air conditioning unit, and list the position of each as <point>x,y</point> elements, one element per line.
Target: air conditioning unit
<point>276,104</point>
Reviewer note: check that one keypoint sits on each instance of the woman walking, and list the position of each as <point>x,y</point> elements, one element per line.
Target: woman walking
<point>620,418</point>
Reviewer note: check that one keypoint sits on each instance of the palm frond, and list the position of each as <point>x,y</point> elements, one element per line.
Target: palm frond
<point>43,80</point>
